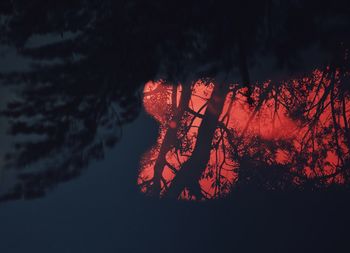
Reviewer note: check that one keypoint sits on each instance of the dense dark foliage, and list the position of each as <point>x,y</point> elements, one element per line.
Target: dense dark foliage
<point>91,58</point>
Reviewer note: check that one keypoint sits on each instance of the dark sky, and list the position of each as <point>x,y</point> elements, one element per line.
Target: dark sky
<point>90,214</point>
<point>98,212</point>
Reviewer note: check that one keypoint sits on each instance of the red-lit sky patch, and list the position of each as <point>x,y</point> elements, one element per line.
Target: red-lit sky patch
<point>299,126</point>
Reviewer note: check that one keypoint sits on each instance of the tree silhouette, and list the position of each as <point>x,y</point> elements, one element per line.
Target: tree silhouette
<point>85,84</point>
<point>295,136</point>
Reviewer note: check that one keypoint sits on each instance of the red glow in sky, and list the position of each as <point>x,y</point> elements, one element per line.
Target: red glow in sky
<point>299,125</point>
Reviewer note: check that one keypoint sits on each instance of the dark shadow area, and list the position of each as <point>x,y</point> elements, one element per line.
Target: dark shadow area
<point>253,221</point>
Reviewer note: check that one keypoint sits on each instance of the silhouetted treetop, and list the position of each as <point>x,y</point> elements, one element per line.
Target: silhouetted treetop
<point>181,37</point>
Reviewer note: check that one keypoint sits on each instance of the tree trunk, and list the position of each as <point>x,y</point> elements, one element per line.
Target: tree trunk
<point>191,171</point>
<point>170,137</point>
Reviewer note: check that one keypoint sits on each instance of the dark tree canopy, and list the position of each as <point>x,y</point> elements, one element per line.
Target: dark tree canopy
<point>93,57</point>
